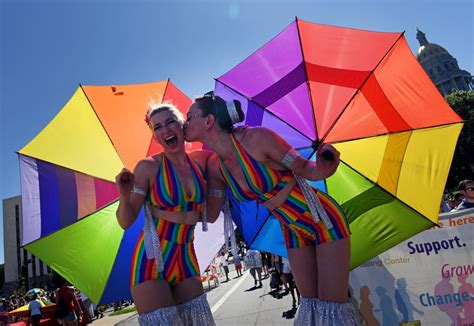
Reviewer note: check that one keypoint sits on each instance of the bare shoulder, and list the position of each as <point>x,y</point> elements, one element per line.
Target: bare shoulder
<point>254,133</point>
<point>213,166</point>
<point>257,136</point>
<point>148,165</point>
<point>200,156</point>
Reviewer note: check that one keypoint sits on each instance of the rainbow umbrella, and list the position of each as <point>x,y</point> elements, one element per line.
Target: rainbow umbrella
<point>365,93</point>
<point>33,291</point>
<point>69,197</point>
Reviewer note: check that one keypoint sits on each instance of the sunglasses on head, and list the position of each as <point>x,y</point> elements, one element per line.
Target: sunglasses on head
<point>470,189</point>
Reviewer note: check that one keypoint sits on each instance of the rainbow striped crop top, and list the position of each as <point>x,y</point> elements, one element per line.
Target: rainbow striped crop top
<point>263,182</point>
<point>167,193</point>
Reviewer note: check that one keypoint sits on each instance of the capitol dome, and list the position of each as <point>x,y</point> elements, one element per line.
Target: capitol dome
<point>442,67</point>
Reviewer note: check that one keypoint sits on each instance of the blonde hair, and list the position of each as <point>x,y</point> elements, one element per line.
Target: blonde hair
<point>161,107</point>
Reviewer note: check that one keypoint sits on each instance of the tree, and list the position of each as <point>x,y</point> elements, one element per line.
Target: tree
<point>2,275</point>
<point>462,166</point>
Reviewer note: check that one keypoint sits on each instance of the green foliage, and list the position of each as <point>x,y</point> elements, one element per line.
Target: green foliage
<point>462,166</point>
<point>123,311</point>
<point>2,275</point>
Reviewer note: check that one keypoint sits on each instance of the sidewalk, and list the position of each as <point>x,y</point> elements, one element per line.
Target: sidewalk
<point>114,320</point>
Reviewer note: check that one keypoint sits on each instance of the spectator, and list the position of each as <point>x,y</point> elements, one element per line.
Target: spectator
<point>276,271</point>
<point>238,265</point>
<point>86,307</point>
<point>266,262</point>
<point>225,265</point>
<point>447,204</point>
<point>34,307</point>
<point>288,280</point>
<point>253,261</point>
<point>458,198</point>
<point>66,304</point>
<point>466,188</point>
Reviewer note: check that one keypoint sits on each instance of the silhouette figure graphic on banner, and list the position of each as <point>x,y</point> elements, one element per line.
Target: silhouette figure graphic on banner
<point>366,307</point>
<point>444,287</point>
<point>404,304</point>
<point>467,307</point>
<point>389,315</point>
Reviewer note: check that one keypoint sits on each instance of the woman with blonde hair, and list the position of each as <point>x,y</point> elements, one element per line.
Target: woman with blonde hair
<point>165,277</point>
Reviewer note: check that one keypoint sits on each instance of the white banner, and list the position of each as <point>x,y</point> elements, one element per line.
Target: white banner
<point>429,277</point>
<point>207,244</point>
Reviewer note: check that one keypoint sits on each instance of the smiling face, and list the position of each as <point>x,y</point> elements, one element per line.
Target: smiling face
<point>167,130</point>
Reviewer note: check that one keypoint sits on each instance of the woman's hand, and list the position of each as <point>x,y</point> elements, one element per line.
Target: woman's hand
<point>327,167</point>
<point>125,181</point>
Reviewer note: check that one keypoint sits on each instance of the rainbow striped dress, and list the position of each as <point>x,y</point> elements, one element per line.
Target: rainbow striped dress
<point>298,226</point>
<point>179,258</point>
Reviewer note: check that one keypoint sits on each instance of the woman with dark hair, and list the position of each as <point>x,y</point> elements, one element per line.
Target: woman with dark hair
<point>165,278</point>
<point>257,164</point>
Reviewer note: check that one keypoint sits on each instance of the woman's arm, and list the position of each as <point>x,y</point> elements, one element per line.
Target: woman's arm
<point>131,200</point>
<point>282,153</point>
<point>215,190</point>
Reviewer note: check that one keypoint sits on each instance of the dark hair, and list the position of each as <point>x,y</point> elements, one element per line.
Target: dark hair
<point>458,195</point>
<point>462,184</point>
<point>215,105</point>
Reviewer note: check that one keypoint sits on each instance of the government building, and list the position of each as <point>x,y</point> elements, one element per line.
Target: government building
<point>442,67</point>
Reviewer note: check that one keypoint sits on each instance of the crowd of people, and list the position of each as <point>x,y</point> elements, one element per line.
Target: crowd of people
<point>72,307</point>
<point>261,265</point>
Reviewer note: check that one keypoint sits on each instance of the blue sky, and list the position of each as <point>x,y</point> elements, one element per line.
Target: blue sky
<point>49,47</point>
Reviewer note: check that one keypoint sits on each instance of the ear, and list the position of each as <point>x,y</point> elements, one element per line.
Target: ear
<point>210,121</point>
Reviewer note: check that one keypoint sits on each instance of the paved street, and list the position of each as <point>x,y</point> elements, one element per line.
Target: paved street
<point>236,302</point>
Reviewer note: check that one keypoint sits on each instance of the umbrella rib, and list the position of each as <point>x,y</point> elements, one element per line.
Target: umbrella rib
<point>264,109</point>
<point>100,121</point>
<point>307,79</point>
<point>358,90</point>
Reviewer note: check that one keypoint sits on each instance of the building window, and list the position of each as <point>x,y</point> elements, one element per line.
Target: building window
<point>448,67</point>
<point>439,69</point>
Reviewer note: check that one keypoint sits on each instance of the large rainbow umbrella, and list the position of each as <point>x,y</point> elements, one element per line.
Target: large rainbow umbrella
<point>69,196</point>
<point>365,93</point>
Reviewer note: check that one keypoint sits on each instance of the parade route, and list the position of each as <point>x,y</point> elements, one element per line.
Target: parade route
<point>237,302</point>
